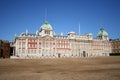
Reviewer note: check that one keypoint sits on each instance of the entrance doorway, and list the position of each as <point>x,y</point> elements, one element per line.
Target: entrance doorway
<point>1,54</point>
<point>58,55</point>
<point>84,54</point>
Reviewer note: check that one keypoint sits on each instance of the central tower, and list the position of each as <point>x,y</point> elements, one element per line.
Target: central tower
<point>102,35</point>
<point>46,29</point>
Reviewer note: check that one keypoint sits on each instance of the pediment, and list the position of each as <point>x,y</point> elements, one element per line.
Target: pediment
<point>47,37</point>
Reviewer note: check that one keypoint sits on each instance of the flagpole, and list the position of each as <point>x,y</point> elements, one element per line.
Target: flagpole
<point>45,14</point>
<point>79,28</point>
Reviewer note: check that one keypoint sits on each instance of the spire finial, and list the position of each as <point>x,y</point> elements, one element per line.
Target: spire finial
<point>26,31</point>
<point>15,35</point>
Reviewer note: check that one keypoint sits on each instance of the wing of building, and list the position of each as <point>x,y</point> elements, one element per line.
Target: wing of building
<point>4,49</point>
<point>46,44</point>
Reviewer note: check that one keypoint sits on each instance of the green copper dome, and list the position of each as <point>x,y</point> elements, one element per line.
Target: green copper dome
<point>102,32</point>
<point>46,25</point>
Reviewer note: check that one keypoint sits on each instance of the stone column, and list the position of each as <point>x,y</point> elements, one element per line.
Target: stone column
<point>26,46</point>
<point>37,51</point>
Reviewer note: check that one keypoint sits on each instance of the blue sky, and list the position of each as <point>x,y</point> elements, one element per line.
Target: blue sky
<point>64,15</point>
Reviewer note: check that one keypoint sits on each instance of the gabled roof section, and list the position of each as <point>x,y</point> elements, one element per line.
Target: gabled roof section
<point>47,37</point>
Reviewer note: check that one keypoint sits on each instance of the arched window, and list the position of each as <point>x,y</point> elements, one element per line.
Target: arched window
<point>47,32</point>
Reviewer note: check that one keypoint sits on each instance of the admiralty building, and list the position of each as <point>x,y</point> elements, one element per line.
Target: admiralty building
<point>46,44</point>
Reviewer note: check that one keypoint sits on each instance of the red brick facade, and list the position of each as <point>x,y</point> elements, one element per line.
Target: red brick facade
<point>4,49</point>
